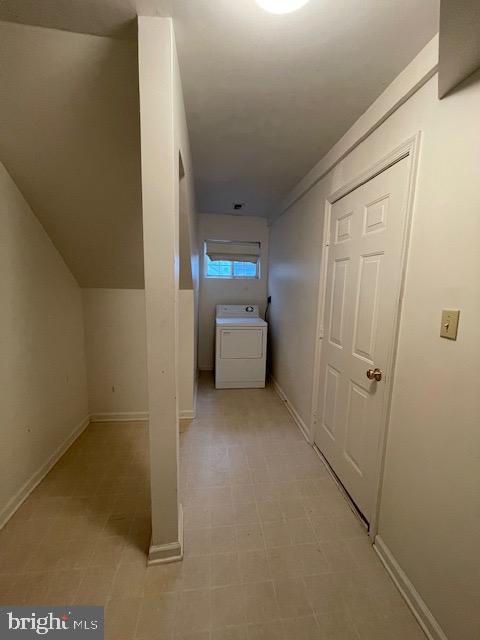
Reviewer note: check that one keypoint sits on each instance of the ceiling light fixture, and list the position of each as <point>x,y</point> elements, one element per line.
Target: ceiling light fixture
<point>281,6</point>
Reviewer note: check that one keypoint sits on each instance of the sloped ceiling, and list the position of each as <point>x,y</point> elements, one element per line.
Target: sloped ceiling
<point>69,137</point>
<point>112,18</point>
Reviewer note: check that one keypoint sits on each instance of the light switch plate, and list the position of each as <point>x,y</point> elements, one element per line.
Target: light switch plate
<point>449,325</point>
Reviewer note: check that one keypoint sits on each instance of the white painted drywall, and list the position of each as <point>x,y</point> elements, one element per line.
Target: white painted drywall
<point>115,345</point>
<point>42,366</point>
<point>164,140</point>
<point>429,517</point>
<point>186,358</point>
<point>116,352</point>
<point>187,300</point>
<point>161,259</point>
<point>72,151</point>
<point>459,53</point>
<point>217,291</point>
<point>295,250</point>
<point>115,19</point>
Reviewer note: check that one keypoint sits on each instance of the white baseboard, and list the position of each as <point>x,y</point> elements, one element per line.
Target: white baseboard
<point>124,416</point>
<point>170,552</point>
<point>135,416</point>
<point>17,500</point>
<point>422,613</point>
<point>291,409</point>
<point>185,414</point>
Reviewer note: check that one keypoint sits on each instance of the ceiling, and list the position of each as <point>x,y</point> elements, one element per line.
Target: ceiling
<point>112,18</point>
<point>266,97</point>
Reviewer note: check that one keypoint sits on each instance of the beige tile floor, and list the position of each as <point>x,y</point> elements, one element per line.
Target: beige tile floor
<point>272,550</point>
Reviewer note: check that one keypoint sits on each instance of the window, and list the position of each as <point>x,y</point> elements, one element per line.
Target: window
<point>230,260</point>
<point>230,269</point>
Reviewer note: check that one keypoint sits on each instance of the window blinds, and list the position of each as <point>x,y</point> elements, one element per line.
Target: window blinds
<point>233,251</point>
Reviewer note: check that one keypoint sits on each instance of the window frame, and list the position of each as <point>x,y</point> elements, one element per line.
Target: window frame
<point>231,276</point>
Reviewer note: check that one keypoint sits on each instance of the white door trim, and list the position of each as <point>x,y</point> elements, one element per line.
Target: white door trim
<point>410,150</point>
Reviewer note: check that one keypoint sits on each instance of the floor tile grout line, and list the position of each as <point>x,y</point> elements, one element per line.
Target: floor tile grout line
<point>235,473</point>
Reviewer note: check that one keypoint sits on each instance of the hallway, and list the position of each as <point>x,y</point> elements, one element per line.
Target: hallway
<point>271,547</point>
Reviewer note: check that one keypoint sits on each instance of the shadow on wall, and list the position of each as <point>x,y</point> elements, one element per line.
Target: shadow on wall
<point>185,251</point>
<point>186,305</point>
<point>70,137</point>
<point>472,79</point>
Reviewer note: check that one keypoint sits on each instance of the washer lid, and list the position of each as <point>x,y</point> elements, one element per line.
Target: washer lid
<point>241,323</point>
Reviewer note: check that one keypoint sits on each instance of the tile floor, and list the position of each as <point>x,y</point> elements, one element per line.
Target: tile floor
<point>272,550</point>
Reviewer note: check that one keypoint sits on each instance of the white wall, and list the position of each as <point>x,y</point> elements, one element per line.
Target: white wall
<point>161,260</point>
<point>187,295</point>
<point>165,148</point>
<point>213,291</point>
<point>459,51</point>
<point>429,517</point>
<point>294,267</point>
<point>74,154</point>
<point>432,473</point>
<point>115,344</point>
<point>116,352</point>
<point>186,356</point>
<point>42,364</point>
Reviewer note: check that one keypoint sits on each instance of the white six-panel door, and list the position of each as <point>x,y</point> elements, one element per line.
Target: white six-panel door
<point>362,288</point>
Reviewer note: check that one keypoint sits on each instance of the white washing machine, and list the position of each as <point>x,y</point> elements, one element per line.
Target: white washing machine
<point>240,347</point>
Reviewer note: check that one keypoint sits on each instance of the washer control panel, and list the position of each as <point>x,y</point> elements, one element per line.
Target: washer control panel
<point>237,310</point>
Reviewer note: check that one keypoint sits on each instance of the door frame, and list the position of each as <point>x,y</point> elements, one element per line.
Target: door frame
<point>409,149</point>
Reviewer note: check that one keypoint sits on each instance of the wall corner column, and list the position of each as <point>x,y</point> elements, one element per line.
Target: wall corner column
<point>161,262</point>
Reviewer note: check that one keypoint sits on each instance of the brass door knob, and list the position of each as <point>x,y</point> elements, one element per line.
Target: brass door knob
<point>375,374</point>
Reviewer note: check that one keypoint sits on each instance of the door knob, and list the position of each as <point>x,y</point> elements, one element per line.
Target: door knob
<point>375,374</point>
